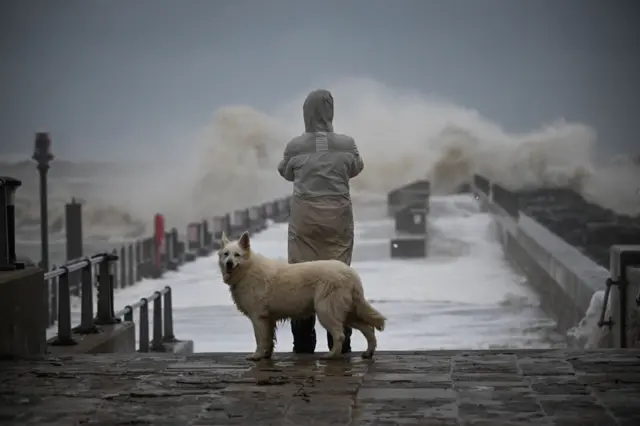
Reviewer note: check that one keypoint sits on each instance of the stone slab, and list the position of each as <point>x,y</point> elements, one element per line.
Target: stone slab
<point>517,387</point>
<point>110,338</point>
<point>23,312</point>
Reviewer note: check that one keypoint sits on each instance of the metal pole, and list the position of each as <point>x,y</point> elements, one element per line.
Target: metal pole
<point>73,226</point>
<point>105,292</point>
<point>168,316</point>
<point>144,325</point>
<point>156,344</point>
<point>87,326</point>
<point>64,337</point>
<point>44,217</point>
<point>42,155</point>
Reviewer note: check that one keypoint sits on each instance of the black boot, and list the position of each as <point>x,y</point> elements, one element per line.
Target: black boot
<point>304,335</point>
<point>346,346</point>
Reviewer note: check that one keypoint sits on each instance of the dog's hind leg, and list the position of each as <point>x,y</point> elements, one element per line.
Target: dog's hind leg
<point>263,336</point>
<point>369,333</point>
<point>334,326</point>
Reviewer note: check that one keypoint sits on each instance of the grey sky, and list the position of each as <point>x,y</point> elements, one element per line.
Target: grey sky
<point>99,74</point>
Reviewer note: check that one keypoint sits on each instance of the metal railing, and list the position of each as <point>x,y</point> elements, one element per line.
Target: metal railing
<point>88,324</point>
<point>104,263</point>
<point>621,258</point>
<point>162,320</point>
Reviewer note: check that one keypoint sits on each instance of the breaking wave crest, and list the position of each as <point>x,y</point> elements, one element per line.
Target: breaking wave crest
<point>231,163</point>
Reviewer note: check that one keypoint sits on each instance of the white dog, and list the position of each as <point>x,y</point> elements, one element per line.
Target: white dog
<point>268,291</point>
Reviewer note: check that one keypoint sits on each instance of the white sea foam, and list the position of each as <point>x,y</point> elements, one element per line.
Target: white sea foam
<point>465,297</point>
<point>231,162</point>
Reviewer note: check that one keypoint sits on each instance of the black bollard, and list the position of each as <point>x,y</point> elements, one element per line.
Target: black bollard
<point>193,241</point>
<point>8,187</point>
<point>123,267</point>
<point>131,278</point>
<point>73,224</point>
<point>138,261</point>
<point>205,238</point>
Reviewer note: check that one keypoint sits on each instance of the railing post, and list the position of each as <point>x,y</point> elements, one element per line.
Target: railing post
<point>206,236</point>
<point>73,228</point>
<point>176,253</point>
<point>86,325</point>
<point>130,265</point>
<point>622,302</point>
<point>128,314</point>
<point>105,293</point>
<point>157,322</point>
<point>123,267</point>
<point>138,251</point>
<point>64,312</point>
<point>144,325</point>
<point>114,271</point>
<point>53,300</point>
<point>171,248</point>
<point>151,260</point>
<point>168,316</point>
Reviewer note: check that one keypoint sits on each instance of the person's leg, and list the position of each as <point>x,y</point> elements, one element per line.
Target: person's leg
<point>346,346</point>
<point>304,335</point>
<point>303,330</point>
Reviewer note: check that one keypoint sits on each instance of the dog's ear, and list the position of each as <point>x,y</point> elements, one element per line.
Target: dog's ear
<point>244,241</point>
<point>224,240</point>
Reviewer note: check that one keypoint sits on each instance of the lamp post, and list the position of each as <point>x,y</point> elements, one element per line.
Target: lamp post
<point>42,155</point>
<point>8,187</point>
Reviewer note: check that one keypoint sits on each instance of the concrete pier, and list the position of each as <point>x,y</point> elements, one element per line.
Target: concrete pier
<point>492,388</point>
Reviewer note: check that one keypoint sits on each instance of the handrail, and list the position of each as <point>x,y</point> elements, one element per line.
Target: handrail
<point>88,323</point>
<point>75,265</point>
<point>162,319</point>
<point>621,258</point>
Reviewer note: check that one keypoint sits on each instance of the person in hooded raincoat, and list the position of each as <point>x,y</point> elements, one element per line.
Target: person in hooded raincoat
<point>320,164</point>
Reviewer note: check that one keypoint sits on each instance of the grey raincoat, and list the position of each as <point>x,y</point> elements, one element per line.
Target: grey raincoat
<point>320,164</point>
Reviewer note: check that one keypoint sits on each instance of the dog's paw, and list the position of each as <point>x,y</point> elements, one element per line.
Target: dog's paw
<point>331,356</point>
<point>255,357</point>
<point>367,355</point>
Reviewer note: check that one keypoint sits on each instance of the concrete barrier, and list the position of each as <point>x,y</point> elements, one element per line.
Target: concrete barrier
<point>23,312</point>
<point>633,336</point>
<point>412,219</point>
<point>623,288</point>
<point>409,247</point>
<point>409,206</point>
<point>564,278</point>
<point>414,192</point>
<point>571,286</point>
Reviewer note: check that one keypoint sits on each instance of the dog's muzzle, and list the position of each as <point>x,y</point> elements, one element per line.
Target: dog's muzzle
<point>229,266</point>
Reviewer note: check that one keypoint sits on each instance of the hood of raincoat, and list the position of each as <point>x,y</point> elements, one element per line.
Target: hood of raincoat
<point>318,112</point>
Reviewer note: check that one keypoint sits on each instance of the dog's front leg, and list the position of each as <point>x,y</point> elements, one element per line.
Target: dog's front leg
<point>262,336</point>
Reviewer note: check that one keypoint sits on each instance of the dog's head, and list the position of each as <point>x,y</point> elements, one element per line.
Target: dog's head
<point>233,254</point>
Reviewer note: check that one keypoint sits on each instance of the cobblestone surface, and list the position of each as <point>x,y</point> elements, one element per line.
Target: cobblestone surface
<point>492,388</point>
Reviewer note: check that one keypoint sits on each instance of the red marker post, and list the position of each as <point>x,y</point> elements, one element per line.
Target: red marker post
<point>160,248</point>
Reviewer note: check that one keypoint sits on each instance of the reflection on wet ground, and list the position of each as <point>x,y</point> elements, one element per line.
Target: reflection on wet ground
<point>522,387</point>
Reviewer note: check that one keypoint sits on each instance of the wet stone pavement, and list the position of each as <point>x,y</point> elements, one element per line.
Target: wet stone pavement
<point>445,388</point>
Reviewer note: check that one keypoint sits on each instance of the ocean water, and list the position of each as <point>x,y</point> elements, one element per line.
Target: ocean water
<point>463,296</point>
<point>229,161</point>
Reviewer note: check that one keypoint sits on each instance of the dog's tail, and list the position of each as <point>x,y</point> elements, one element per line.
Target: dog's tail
<point>368,313</point>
